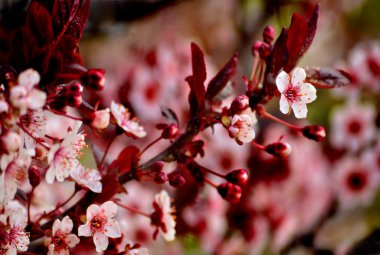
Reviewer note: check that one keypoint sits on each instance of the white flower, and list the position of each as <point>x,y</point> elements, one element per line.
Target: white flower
<point>100,119</point>
<point>62,238</point>
<point>240,126</point>
<point>123,120</point>
<point>87,177</point>
<point>35,124</point>
<point>295,93</point>
<point>63,157</point>
<point>163,217</point>
<point>24,96</point>
<point>101,225</point>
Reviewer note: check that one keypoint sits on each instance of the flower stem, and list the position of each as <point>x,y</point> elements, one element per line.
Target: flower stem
<point>31,135</point>
<point>30,202</point>
<point>267,115</point>
<point>210,182</point>
<point>64,114</point>
<point>150,145</point>
<point>131,209</point>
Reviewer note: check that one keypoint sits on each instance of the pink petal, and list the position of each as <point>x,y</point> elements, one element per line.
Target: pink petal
<point>67,225</point>
<point>284,105</point>
<point>36,99</point>
<point>84,230</point>
<point>299,109</point>
<point>108,209</point>
<point>50,175</point>
<point>282,81</point>
<point>100,241</point>
<point>92,210</point>
<point>298,76</point>
<point>56,226</point>
<point>309,93</point>
<point>112,229</point>
<point>29,78</point>
<point>246,135</point>
<point>71,240</point>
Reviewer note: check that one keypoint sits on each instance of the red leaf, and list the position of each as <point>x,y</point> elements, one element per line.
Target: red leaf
<point>221,79</point>
<point>196,81</point>
<point>324,77</point>
<point>279,53</point>
<point>127,157</point>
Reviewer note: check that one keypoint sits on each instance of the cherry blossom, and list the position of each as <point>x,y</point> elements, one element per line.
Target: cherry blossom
<point>24,96</point>
<point>353,125</point>
<point>123,120</point>
<point>100,224</point>
<point>62,157</point>
<point>295,93</point>
<point>62,239</point>
<point>356,182</point>
<point>87,177</point>
<point>12,223</point>
<point>240,126</point>
<point>100,119</point>
<point>162,217</point>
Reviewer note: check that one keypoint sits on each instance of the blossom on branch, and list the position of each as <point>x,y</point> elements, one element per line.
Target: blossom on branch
<point>162,217</point>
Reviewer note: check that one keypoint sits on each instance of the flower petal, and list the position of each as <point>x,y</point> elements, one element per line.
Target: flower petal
<point>246,135</point>
<point>36,99</point>
<point>100,241</point>
<point>56,226</point>
<point>29,78</point>
<point>84,230</point>
<point>50,175</point>
<point>108,209</point>
<point>284,105</point>
<point>112,229</point>
<point>308,93</point>
<point>67,225</point>
<point>282,81</point>
<point>300,110</point>
<point>298,76</point>
<point>71,240</point>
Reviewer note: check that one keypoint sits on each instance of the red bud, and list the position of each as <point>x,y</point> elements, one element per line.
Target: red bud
<point>240,103</point>
<point>314,132</point>
<point>94,79</point>
<point>238,177</point>
<point>170,131</point>
<point>160,178</point>
<point>230,192</point>
<point>279,149</point>
<point>268,34</point>
<point>176,180</point>
<point>34,176</point>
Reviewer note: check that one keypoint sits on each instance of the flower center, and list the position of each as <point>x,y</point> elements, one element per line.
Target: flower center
<point>354,127</point>
<point>292,93</point>
<point>357,181</point>
<point>97,223</point>
<point>59,242</point>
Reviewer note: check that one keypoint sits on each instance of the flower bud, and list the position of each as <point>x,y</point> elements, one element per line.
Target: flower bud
<point>176,180</point>
<point>255,48</point>
<point>10,141</point>
<point>94,79</point>
<point>34,176</point>
<point>160,178</point>
<point>100,119</point>
<point>238,177</point>
<point>279,149</point>
<point>268,34</point>
<point>314,132</point>
<point>264,50</point>
<point>239,104</point>
<point>72,94</point>
<point>230,192</point>
<point>157,166</point>
<point>170,131</point>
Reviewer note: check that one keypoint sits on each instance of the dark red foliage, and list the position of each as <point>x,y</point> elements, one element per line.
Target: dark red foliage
<point>325,77</point>
<point>196,81</point>
<point>128,156</point>
<point>217,84</point>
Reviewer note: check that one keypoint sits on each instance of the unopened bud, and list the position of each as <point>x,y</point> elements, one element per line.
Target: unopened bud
<point>10,141</point>
<point>255,48</point>
<point>72,94</point>
<point>314,132</point>
<point>94,79</point>
<point>100,119</point>
<point>160,178</point>
<point>268,34</point>
<point>239,104</point>
<point>264,50</point>
<point>176,180</point>
<point>238,177</point>
<point>230,192</point>
<point>157,166</point>
<point>171,131</point>
<point>34,176</point>
<point>279,149</point>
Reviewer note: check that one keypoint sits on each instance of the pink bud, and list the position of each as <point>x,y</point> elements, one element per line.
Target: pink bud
<point>72,94</point>
<point>268,34</point>
<point>160,178</point>
<point>10,141</point>
<point>239,104</point>
<point>94,79</point>
<point>34,176</point>
<point>176,180</point>
<point>171,131</point>
<point>230,192</point>
<point>157,166</point>
<point>100,119</point>
<point>264,50</point>
<point>314,132</point>
<point>238,177</point>
<point>279,149</point>
<point>255,48</point>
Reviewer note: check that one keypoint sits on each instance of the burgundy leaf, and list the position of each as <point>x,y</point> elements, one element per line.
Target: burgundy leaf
<point>279,53</point>
<point>221,79</point>
<point>325,77</point>
<point>127,157</point>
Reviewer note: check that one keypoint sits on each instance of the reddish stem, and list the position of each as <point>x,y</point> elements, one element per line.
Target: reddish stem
<point>34,138</point>
<point>64,114</point>
<point>267,115</point>
<point>150,145</point>
<point>134,210</point>
<point>210,182</point>
<point>261,147</point>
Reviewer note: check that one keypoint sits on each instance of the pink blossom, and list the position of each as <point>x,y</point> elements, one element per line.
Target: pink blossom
<point>353,126</point>
<point>123,120</point>
<point>240,126</point>
<point>101,225</point>
<point>162,217</point>
<point>62,239</point>
<point>62,157</point>
<point>295,93</point>
<point>87,177</point>
<point>100,119</point>
<point>24,96</point>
